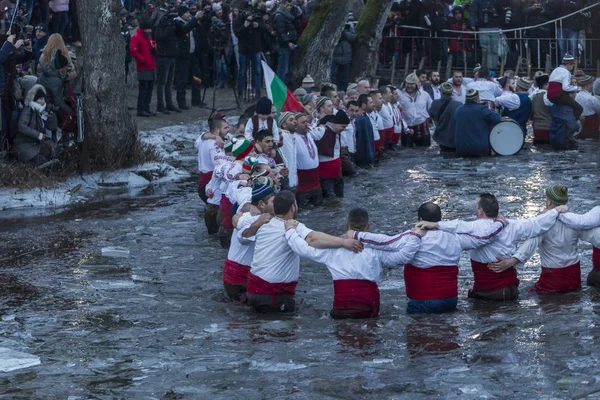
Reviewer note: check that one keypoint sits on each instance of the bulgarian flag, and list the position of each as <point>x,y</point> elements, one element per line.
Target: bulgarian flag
<point>283,99</point>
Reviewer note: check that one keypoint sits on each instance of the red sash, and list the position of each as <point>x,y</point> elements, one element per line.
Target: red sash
<point>330,169</point>
<point>420,130</point>
<point>596,258</point>
<point>554,90</point>
<point>487,280</point>
<point>234,273</point>
<point>256,285</point>
<point>591,123</point>
<point>541,134</point>
<point>433,283</point>
<point>388,134</point>
<point>204,178</point>
<point>308,180</point>
<point>556,280</point>
<point>356,296</point>
<point>225,206</point>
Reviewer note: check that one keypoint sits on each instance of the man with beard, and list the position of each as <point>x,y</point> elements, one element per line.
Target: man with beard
<point>473,125</point>
<point>364,133</point>
<point>386,115</point>
<point>415,104</point>
<point>459,86</point>
<point>307,163</point>
<point>399,124</point>
<point>488,89</point>
<point>508,100</point>
<point>433,88</point>
<point>523,113</point>
<point>561,87</point>
<point>330,163</point>
<point>442,112</point>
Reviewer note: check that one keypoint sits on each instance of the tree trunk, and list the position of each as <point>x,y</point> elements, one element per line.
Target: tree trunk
<point>356,7</point>
<point>318,41</point>
<point>110,130</point>
<point>369,30</point>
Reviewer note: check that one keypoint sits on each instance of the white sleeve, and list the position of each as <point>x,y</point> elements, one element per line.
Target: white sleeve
<point>317,133</point>
<point>303,231</point>
<point>275,132</point>
<point>483,235</point>
<point>301,247</point>
<point>528,228</point>
<point>589,220</point>
<point>243,224</point>
<point>404,254</point>
<point>527,249</point>
<point>249,129</point>
<point>384,242</point>
<point>591,236</point>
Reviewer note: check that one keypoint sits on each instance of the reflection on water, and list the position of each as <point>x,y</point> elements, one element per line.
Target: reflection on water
<point>155,324</point>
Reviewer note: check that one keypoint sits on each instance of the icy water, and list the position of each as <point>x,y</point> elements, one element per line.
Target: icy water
<point>155,324</point>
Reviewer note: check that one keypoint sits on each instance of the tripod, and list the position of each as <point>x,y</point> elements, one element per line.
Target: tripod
<point>217,49</point>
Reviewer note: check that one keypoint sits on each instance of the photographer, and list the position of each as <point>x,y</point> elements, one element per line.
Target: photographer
<point>220,32</point>
<point>249,29</point>
<point>342,55</point>
<point>287,24</point>
<point>537,12</point>
<point>488,16</point>
<point>186,47</point>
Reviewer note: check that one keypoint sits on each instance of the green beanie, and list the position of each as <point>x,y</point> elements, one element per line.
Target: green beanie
<point>558,194</point>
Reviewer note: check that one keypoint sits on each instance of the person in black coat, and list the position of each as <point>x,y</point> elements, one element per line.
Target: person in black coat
<point>249,29</point>
<point>186,48</point>
<point>287,24</point>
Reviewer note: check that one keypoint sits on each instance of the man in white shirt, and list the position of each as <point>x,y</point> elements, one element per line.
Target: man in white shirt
<point>241,250</point>
<point>275,267</point>
<point>508,100</point>
<point>415,103</point>
<point>561,270</point>
<point>488,89</point>
<point>308,190</point>
<point>377,122</point>
<point>488,284</point>
<point>459,86</point>
<point>262,120</point>
<point>399,124</point>
<point>355,275</point>
<point>348,140</point>
<point>209,154</point>
<point>591,109</point>
<point>287,122</point>
<point>560,86</point>
<point>431,277</point>
<point>387,120</point>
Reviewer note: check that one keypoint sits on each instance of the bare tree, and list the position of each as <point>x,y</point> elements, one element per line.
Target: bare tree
<point>110,130</point>
<point>319,39</point>
<point>369,30</point>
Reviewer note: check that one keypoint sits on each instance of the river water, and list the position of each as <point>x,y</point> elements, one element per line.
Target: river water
<point>155,324</point>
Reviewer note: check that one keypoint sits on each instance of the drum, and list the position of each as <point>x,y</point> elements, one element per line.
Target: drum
<point>506,138</point>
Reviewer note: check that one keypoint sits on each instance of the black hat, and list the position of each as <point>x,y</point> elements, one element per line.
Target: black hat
<point>59,61</point>
<point>182,9</point>
<point>396,7</point>
<point>502,81</point>
<point>263,106</point>
<point>542,80</point>
<point>41,27</point>
<point>39,94</point>
<point>341,118</point>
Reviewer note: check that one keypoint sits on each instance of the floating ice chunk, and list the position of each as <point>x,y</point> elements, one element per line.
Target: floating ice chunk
<point>115,252</point>
<point>275,367</point>
<point>11,360</point>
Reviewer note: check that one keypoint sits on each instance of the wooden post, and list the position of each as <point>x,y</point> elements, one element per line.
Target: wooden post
<point>439,68</point>
<point>406,65</point>
<point>529,76</point>
<point>483,58</point>
<point>548,65</point>
<point>422,63</point>
<point>518,67</point>
<point>393,69</point>
<point>501,66</point>
<point>465,63</point>
<point>449,67</point>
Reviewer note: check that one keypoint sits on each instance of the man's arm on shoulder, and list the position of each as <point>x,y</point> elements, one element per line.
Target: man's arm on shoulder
<point>589,220</point>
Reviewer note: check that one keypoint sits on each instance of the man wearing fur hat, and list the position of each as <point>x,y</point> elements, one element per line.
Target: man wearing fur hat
<point>591,108</point>
<point>287,122</point>
<point>474,122</point>
<point>559,255</point>
<point>262,120</point>
<point>415,104</point>
<point>442,112</point>
<point>330,163</point>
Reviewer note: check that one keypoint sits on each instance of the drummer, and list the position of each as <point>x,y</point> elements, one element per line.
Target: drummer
<point>474,122</point>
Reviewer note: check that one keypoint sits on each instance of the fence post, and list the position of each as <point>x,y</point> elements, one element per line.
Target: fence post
<point>548,65</point>
<point>484,58</point>
<point>518,67</point>
<point>406,65</point>
<point>439,67</point>
<point>502,66</point>
<point>422,63</point>
<point>393,69</point>
<point>528,63</point>
<point>449,67</point>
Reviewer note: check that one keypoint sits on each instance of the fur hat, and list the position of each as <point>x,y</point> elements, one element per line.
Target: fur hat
<point>558,194</point>
<point>263,106</point>
<point>340,118</point>
<point>446,88</point>
<point>284,116</point>
<point>412,78</point>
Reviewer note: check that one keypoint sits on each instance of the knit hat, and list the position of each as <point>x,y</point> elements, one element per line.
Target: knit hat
<point>502,82</point>
<point>341,118</point>
<point>122,12</point>
<point>300,93</point>
<point>229,146</point>
<point>249,164</point>
<point>263,180</point>
<point>308,98</point>
<point>321,100</point>
<point>351,86</point>
<point>472,94</point>
<point>59,61</point>
<point>182,9</point>
<point>259,192</point>
<point>412,78</point>
<point>540,81</point>
<point>579,73</point>
<point>44,28</point>
<point>568,59</point>
<point>476,69</point>
<point>257,172</point>
<point>263,106</point>
<point>558,194</point>
<point>446,88</point>
<point>585,79</point>
<point>524,83</point>
<point>40,94</point>
<point>308,82</point>
<point>284,116</point>
<point>241,148</point>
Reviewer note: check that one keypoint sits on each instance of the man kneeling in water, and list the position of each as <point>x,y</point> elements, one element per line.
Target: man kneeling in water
<point>355,275</point>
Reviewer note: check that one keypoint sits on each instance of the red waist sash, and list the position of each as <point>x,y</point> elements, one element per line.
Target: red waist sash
<point>420,130</point>
<point>330,169</point>
<point>541,133</point>
<point>386,134</point>
<point>554,90</point>
<point>591,123</point>
<point>487,280</point>
<point>433,283</point>
<point>204,178</point>
<point>556,280</point>
<point>234,273</point>
<point>357,296</point>
<point>256,285</point>
<point>596,258</point>
<point>225,206</point>
<point>308,180</point>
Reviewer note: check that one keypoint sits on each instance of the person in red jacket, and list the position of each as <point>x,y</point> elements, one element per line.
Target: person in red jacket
<point>142,49</point>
